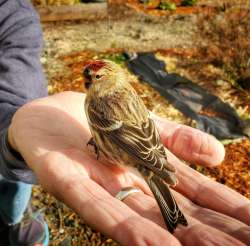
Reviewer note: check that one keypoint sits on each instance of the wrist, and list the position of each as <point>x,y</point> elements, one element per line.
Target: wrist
<point>12,164</point>
<point>10,139</point>
<point>11,145</point>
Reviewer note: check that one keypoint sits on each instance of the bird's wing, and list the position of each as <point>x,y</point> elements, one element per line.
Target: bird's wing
<point>144,144</point>
<point>98,120</point>
<point>141,142</point>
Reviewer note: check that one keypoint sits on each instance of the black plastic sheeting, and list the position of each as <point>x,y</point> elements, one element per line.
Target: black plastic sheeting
<point>188,97</point>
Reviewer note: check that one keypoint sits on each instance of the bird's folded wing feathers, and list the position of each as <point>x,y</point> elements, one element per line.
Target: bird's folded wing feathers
<point>98,121</point>
<point>141,142</point>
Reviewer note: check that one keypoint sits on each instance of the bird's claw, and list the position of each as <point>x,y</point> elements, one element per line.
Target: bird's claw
<point>93,143</point>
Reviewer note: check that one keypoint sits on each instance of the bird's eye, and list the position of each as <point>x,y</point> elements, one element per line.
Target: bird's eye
<point>98,76</point>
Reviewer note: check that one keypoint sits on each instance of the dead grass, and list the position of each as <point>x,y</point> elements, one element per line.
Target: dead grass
<point>226,41</point>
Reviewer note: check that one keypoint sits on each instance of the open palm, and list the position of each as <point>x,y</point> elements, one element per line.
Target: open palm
<point>51,134</point>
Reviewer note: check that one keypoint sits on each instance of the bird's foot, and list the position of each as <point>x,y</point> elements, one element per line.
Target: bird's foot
<point>93,143</point>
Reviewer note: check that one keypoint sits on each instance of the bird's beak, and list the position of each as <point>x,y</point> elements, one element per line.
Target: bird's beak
<point>88,78</point>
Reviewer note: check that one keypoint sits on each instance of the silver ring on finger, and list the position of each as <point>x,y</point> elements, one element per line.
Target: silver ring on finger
<point>127,191</point>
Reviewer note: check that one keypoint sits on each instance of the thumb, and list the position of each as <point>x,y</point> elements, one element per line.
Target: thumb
<point>190,144</point>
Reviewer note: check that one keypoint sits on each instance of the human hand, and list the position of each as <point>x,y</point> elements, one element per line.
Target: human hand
<point>217,215</point>
<point>51,134</point>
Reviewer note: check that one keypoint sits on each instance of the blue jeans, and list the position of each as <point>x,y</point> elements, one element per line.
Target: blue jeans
<point>14,199</point>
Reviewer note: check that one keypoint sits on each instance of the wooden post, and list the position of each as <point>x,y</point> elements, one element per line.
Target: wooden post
<point>89,12</point>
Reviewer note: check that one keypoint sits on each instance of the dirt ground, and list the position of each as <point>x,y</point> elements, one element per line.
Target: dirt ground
<point>133,32</point>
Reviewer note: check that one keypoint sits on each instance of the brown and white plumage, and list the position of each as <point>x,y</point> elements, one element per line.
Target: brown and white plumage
<point>124,133</point>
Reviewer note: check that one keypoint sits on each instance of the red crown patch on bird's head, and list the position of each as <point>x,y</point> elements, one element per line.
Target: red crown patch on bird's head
<point>91,70</point>
<point>95,65</point>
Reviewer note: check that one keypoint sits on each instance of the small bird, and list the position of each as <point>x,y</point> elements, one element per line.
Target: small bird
<point>123,132</point>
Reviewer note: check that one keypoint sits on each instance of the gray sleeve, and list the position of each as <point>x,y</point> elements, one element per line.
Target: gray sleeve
<point>12,165</point>
<point>21,75</point>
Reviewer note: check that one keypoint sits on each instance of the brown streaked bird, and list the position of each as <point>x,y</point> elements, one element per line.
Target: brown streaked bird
<point>123,132</point>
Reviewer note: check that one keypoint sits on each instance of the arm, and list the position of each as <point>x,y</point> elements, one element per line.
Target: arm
<point>21,76</point>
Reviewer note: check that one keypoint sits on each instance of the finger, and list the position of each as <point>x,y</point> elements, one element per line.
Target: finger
<point>110,216</point>
<point>195,233</point>
<point>113,178</point>
<point>190,144</point>
<point>210,194</point>
<point>96,206</point>
<point>200,234</point>
<point>146,206</point>
<point>222,222</point>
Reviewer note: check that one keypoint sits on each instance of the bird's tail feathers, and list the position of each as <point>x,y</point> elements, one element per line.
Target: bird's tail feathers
<point>171,213</point>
